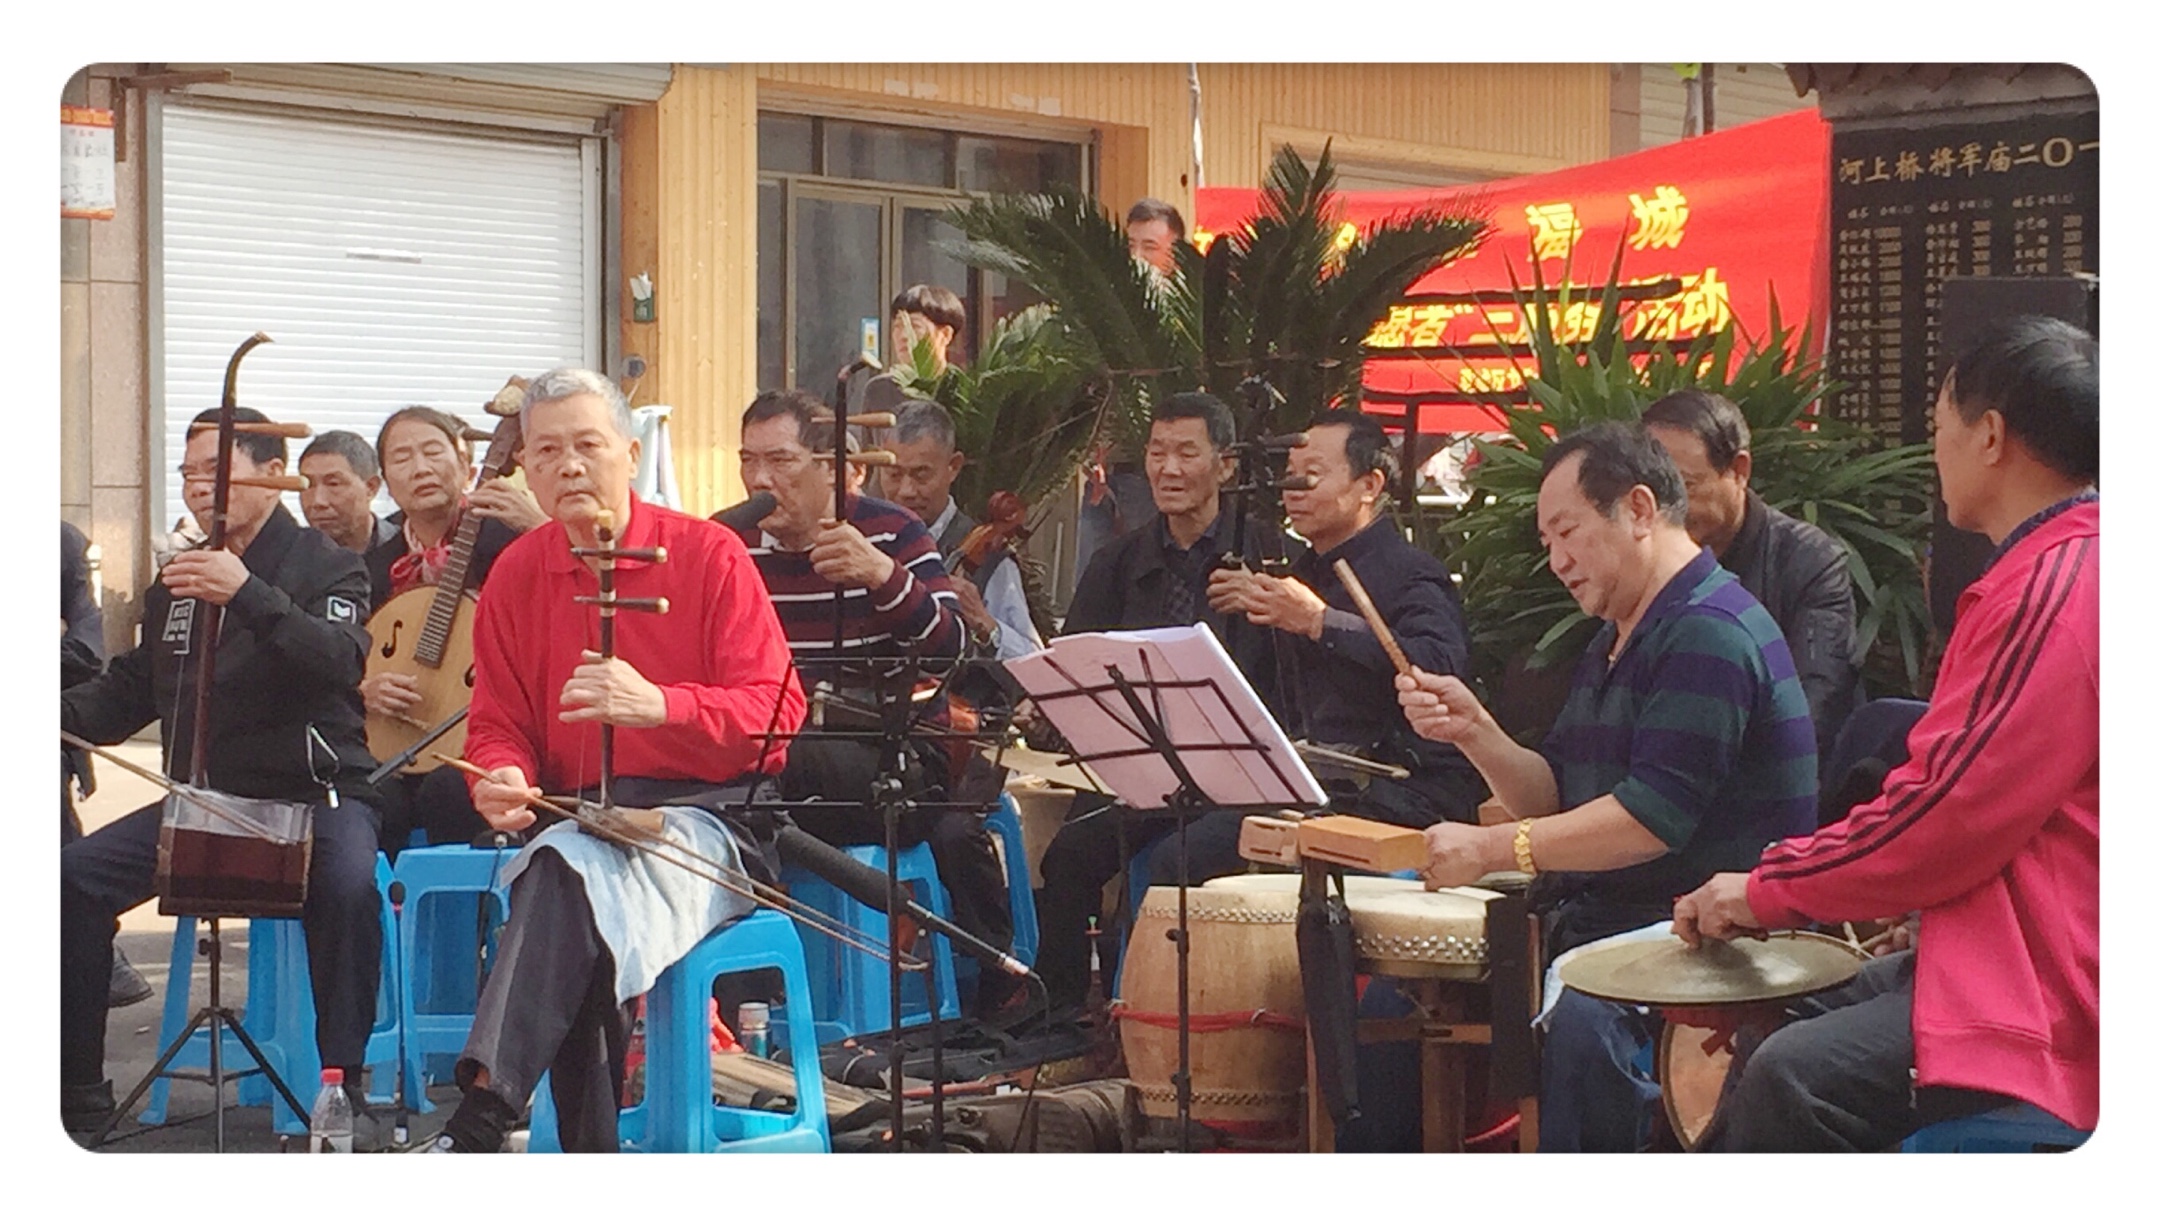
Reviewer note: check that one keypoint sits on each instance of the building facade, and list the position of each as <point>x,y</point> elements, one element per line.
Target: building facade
<point>417,233</point>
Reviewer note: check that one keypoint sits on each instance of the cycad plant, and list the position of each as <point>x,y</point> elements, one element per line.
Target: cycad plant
<point>1872,497</point>
<point>1024,411</point>
<point>1290,297</point>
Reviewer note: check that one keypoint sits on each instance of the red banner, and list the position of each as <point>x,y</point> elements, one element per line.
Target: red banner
<point>1711,226</point>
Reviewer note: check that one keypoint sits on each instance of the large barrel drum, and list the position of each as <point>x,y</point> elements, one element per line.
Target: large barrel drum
<point>1247,1007</point>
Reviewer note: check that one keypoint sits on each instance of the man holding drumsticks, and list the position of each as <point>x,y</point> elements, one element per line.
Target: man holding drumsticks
<point>1684,746</point>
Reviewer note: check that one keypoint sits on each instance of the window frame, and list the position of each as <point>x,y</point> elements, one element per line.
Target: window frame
<point>893,199</point>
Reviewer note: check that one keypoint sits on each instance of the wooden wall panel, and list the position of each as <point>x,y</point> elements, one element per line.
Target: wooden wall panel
<point>703,352</point>
<point>690,192</point>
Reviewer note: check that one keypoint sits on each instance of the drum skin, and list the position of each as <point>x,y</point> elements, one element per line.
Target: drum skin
<point>1243,961</point>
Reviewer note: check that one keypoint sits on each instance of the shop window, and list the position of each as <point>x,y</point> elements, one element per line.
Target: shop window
<point>909,155</point>
<point>850,213</point>
<point>786,143</point>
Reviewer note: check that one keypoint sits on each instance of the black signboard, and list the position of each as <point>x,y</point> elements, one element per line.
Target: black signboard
<point>1913,205</point>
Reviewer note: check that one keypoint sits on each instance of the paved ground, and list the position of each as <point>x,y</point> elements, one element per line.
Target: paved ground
<point>131,1036</point>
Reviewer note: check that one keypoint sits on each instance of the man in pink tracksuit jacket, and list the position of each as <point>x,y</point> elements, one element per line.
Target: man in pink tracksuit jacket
<point>1991,831</point>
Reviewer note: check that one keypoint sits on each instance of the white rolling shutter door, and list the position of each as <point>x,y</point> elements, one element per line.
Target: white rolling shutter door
<point>390,267</point>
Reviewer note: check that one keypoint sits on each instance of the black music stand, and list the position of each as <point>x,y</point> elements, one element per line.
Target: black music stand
<point>1209,711</point>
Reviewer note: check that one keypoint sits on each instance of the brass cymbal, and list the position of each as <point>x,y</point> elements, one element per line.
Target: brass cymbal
<point>1667,972</point>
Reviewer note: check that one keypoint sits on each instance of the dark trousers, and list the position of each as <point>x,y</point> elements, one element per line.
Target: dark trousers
<point>549,1006</point>
<point>112,869</point>
<point>1088,852</point>
<point>840,771</point>
<point>1597,1090</point>
<point>437,802</point>
<point>1840,1078</point>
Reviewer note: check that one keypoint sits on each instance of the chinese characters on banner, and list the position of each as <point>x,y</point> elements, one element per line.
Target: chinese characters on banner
<point>87,184</point>
<point>1725,221</point>
<point>1913,205</point>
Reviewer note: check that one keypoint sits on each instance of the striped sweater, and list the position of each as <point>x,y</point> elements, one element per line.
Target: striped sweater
<point>1699,728</point>
<point>915,608</point>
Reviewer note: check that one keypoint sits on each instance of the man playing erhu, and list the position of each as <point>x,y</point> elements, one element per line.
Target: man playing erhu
<point>692,694</point>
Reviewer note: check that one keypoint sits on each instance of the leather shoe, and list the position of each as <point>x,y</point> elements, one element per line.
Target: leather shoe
<point>85,1108</point>
<point>128,985</point>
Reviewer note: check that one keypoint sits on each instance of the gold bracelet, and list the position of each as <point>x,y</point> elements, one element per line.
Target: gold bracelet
<point>1523,860</point>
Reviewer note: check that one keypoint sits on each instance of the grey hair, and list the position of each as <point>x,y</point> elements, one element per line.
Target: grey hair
<point>923,419</point>
<point>560,383</point>
<point>352,447</point>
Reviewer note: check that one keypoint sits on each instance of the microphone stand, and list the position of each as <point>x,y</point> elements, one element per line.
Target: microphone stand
<point>1257,480</point>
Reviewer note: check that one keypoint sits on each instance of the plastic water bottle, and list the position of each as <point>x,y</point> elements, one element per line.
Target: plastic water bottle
<point>330,1127</point>
<point>756,1019</point>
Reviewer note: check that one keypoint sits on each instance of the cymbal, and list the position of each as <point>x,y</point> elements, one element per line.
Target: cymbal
<point>1666,972</point>
<point>1057,768</point>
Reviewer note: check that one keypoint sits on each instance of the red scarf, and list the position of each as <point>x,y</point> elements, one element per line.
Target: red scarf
<point>422,566</point>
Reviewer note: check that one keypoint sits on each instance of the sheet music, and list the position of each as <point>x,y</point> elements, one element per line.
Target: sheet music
<point>1190,716</point>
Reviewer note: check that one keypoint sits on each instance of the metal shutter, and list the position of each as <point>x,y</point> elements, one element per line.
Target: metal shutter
<point>391,267</point>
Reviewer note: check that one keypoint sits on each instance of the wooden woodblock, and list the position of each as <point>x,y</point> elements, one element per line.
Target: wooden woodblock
<point>1362,843</point>
<point>1265,838</point>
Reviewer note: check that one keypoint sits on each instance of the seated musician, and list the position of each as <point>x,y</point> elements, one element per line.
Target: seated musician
<point>691,693</point>
<point>1793,568</point>
<point>1991,830</point>
<point>1148,578</point>
<point>991,598</point>
<point>1683,748</point>
<point>427,463</point>
<point>1344,677</point>
<point>898,600</point>
<point>285,724</point>
<point>342,478</point>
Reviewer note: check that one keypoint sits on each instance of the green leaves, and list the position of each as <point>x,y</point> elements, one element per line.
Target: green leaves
<point>1871,497</point>
<point>1290,296</point>
<point>1025,411</point>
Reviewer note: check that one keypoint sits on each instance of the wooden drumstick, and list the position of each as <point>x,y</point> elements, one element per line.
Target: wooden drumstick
<point>1372,615</point>
<point>283,430</point>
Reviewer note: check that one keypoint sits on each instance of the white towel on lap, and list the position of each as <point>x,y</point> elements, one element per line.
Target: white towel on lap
<point>1553,985</point>
<point>649,912</point>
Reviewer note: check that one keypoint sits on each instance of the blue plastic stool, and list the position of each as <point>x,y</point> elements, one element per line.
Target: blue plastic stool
<point>438,991</point>
<point>279,1016</point>
<point>850,990</point>
<point>1019,884</point>
<point>1019,890</point>
<point>678,1114</point>
<point>2023,1128</point>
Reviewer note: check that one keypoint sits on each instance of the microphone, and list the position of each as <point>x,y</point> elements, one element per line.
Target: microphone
<point>1282,443</point>
<point>748,513</point>
<point>867,886</point>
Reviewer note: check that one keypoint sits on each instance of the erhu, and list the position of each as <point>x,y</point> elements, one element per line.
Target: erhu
<point>251,860</point>
<point>642,831</point>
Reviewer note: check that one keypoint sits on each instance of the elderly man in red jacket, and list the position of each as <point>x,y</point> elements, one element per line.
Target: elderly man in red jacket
<point>1991,830</point>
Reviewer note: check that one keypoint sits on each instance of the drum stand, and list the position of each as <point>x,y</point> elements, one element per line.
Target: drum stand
<point>218,1019</point>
